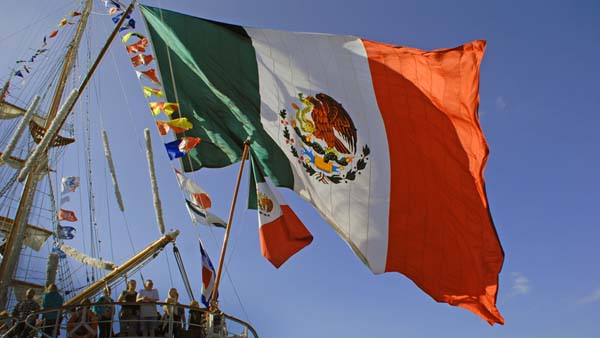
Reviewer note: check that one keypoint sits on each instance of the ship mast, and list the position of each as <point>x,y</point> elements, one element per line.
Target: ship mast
<point>14,242</point>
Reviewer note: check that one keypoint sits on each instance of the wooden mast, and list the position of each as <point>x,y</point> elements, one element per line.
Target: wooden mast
<point>214,305</point>
<point>14,241</point>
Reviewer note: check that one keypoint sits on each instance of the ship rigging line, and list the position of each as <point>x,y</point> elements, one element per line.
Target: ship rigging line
<point>182,272</point>
<point>34,22</point>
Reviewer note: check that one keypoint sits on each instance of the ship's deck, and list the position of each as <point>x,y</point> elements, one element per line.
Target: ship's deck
<point>81,321</point>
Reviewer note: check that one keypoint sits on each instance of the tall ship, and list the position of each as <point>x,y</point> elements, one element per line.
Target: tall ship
<point>100,187</point>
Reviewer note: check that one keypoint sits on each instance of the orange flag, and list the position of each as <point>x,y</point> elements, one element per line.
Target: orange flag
<point>141,60</point>
<point>178,125</point>
<point>53,34</point>
<point>168,107</point>
<point>137,47</point>
<point>150,74</point>
<point>66,215</point>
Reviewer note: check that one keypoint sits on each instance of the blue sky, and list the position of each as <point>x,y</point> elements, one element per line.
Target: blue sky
<point>540,105</point>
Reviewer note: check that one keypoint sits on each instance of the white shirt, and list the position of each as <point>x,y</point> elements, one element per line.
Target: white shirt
<point>148,310</point>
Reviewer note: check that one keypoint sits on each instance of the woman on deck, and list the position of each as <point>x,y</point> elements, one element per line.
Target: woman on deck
<point>174,311</point>
<point>129,313</point>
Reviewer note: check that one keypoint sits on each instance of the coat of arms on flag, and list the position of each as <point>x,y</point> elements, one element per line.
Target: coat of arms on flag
<point>325,143</point>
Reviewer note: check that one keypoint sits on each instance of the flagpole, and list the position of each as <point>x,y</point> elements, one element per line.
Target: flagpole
<point>214,305</point>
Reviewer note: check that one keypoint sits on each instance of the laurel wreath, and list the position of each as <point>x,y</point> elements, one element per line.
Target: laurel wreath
<point>343,161</point>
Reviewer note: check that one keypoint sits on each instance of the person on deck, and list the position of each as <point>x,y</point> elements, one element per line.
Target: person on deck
<point>197,322</point>
<point>149,296</point>
<point>176,312</point>
<point>52,301</point>
<point>129,313</point>
<point>105,313</point>
<point>23,311</point>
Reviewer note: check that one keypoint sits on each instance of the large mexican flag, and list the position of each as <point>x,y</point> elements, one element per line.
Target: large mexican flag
<point>383,140</point>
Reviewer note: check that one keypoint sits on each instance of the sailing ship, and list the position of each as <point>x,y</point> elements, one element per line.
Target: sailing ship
<point>317,130</point>
<point>44,109</point>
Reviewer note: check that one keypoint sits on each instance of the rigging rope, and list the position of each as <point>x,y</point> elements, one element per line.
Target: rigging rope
<point>169,267</point>
<point>184,276</point>
<point>83,233</point>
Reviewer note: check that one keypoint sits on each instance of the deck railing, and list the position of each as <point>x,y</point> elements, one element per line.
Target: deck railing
<point>81,322</point>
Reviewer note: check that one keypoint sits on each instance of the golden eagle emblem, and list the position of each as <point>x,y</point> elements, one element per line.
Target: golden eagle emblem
<point>265,204</point>
<point>327,142</point>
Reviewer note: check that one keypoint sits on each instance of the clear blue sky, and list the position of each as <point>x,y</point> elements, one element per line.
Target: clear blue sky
<point>540,106</point>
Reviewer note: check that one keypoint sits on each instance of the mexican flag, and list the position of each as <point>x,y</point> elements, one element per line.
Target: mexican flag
<point>383,140</point>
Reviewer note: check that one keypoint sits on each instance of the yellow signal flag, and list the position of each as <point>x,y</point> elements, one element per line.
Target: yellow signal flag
<point>167,107</point>
<point>149,91</point>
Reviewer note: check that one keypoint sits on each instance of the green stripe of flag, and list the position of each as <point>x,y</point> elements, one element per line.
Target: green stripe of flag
<point>216,76</point>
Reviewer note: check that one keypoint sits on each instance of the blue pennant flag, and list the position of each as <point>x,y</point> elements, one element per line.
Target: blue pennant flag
<point>66,232</point>
<point>130,25</point>
<point>18,73</point>
<point>173,150</point>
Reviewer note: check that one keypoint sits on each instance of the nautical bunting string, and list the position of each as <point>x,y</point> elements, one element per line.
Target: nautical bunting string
<point>167,107</point>
<point>66,232</point>
<point>68,186</point>
<point>149,74</point>
<point>149,91</point>
<point>199,203</point>
<point>66,215</point>
<point>24,68</point>
<point>64,199</point>
<point>180,147</point>
<point>203,216</point>
<point>137,45</point>
<point>178,125</point>
<point>141,59</point>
